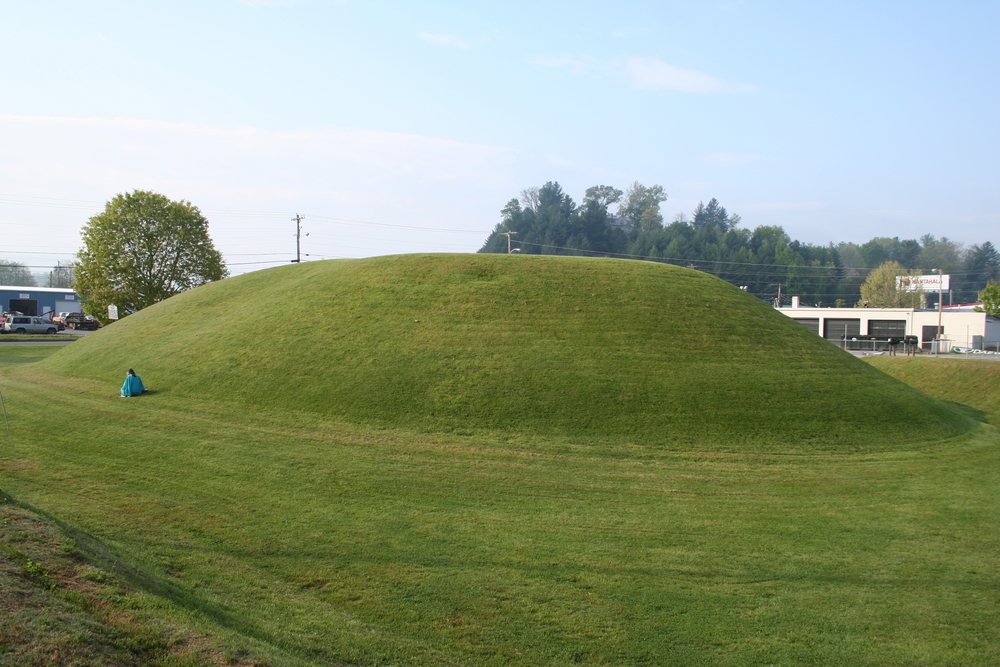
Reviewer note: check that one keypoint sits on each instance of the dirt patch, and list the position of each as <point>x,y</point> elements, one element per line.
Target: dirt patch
<point>59,610</point>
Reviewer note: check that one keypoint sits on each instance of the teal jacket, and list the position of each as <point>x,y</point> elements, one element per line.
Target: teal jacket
<point>133,386</point>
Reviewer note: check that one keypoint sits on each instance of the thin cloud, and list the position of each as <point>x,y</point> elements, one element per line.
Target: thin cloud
<point>654,74</point>
<point>443,40</point>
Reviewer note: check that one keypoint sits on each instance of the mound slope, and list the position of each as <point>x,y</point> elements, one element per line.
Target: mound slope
<point>588,349</point>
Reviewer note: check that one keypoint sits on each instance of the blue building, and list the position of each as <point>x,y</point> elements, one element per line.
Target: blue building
<point>39,301</point>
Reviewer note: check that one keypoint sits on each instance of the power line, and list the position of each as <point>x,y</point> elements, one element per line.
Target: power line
<point>710,262</point>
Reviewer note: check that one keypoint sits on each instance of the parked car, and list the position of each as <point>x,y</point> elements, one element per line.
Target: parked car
<point>23,324</point>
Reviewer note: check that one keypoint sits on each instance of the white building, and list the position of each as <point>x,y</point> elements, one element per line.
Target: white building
<point>870,328</point>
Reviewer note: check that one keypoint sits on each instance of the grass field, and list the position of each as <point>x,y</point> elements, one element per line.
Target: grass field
<point>976,387</point>
<point>298,537</point>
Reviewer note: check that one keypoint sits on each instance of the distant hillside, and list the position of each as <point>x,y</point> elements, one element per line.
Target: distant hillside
<point>593,350</point>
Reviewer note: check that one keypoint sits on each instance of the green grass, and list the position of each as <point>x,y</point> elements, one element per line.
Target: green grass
<point>973,383</point>
<point>39,338</point>
<point>600,351</point>
<point>311,542</point>
<point>300,533</point>
<point>58,610</point>
<point>25,354</point>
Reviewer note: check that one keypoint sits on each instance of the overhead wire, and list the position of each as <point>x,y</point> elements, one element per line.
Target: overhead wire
<point>716,261</point>
<point>753,270</point>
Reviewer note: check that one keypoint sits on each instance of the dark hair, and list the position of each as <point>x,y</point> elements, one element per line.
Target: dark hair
<point>131,372</point>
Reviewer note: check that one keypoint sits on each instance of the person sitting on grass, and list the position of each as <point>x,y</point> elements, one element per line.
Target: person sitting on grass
<point>133,385</point>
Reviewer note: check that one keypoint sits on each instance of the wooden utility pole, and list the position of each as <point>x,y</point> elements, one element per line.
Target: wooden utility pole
<point>508,235</point>
<point>298,238</point>
<point>777,302</point>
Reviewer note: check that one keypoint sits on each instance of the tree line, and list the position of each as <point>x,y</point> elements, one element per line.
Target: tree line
<point>17,274</point>
<point>546,221</point>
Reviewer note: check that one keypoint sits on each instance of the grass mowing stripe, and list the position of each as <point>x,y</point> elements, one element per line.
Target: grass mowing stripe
<point>353,544</point>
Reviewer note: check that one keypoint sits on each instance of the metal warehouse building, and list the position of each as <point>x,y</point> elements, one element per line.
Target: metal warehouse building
<point>39,300</point>
<point>870,328</point>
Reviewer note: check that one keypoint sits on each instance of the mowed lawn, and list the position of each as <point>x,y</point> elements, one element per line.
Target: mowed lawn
<point>316,543</point>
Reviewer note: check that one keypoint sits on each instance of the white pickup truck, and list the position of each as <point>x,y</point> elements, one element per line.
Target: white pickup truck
<point>26,324</point>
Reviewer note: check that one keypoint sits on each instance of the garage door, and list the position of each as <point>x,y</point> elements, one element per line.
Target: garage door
<point>68,307</point>
<point>837,329</point>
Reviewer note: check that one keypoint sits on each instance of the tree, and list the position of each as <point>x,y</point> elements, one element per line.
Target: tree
<point>529,197</point>
<point>874,253</point>
<point>15,274</point>
<point>602,195</point>
<point>61,275</point>
<point>982,264</point>
<point>940,254</point>
<point>990,296</point>
<point>642,206</point>
<point>142,249</point>
<point>881,289</point>
<point>714,215</point>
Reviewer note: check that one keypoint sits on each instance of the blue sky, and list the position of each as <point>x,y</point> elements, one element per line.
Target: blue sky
<point>406,127</point>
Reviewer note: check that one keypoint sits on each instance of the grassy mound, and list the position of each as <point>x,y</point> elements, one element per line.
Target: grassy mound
<point>588,349</point>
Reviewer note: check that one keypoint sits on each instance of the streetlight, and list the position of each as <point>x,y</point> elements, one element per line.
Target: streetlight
<point>940,303</point>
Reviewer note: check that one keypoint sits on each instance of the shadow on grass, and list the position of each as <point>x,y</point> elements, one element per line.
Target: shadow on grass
<point>149,392</point>
<point>969,411</point>
<point>114,562</point>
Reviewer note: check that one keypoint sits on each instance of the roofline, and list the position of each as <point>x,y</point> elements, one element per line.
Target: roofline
<point>17,288</point>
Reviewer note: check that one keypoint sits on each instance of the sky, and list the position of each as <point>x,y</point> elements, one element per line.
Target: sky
<point>406,127</point>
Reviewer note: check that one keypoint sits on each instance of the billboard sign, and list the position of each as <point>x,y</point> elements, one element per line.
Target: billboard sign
<point>932,283</point>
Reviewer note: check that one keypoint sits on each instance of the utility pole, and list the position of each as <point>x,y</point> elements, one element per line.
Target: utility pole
<point>508,235</point>
<point>940,304</point>
<point>298,238</point>
<point>777,302</point>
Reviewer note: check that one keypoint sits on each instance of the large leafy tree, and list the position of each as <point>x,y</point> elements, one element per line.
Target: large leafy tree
<point>990,297</point>
<point>144,248</point>
<point>602,195</point>
<point>642,206</point>
<point>881,289</point>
